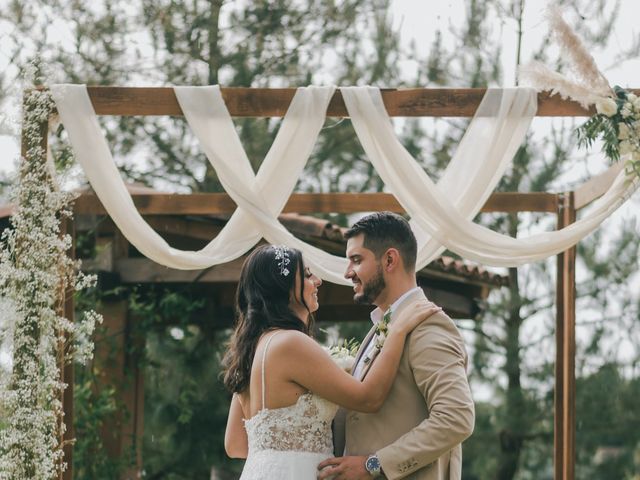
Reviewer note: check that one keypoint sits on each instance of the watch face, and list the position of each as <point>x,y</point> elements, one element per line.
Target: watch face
<point>373,464</point>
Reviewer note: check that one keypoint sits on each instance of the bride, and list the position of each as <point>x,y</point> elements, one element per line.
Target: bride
<point>286,388</point>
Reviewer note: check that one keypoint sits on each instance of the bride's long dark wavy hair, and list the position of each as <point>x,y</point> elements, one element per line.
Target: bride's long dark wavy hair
<point>262,304</point>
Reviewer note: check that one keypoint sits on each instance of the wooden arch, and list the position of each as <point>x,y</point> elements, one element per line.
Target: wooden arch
<point>263,102</point>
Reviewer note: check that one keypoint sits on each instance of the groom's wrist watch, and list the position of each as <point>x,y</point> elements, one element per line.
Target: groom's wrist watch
<point>372,465</point>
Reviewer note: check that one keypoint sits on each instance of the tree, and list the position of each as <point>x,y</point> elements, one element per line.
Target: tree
<point>513,436</point>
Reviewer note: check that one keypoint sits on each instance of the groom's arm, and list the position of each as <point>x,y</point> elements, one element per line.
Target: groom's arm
<point>438,360</point>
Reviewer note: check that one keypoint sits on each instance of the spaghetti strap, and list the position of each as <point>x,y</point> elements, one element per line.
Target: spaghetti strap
<point>264,357</point>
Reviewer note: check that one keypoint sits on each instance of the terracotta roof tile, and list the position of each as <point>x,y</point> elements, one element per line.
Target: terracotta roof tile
<point>313,227</point>
<point>317,227</point>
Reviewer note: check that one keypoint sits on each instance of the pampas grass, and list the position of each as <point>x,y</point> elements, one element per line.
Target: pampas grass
<point>589,86</point>
<point>584,64</point>
<point>543,78</point>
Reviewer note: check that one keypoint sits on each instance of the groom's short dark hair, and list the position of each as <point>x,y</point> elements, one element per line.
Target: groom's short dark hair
<point>383,230</point>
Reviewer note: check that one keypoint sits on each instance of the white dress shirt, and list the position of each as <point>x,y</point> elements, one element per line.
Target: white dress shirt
<point>376,316</point>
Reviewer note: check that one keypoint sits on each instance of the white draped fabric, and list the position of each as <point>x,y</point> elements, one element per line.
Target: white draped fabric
<point>485,151</point>
<point>445,210</point>
<point>441,214</point>
<point>260,197</point>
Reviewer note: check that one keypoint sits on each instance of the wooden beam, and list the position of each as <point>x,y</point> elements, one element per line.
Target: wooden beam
<point>304,203</point>
<point>596,186</point>
<point>565,381</point>
<point>143,270</point>
<point>273,102</point>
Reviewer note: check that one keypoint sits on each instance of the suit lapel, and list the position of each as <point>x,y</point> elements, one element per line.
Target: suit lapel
<point>367,366</point>
<point>363,348</point>
<point>410,300</point>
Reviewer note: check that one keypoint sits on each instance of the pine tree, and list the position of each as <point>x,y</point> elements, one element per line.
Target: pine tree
<point>514,431</point>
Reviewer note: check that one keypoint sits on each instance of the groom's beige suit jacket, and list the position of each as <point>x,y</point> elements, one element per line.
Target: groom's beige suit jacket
<point>429,411</point>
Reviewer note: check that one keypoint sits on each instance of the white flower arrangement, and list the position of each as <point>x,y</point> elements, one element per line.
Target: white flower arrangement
<point>617,121</point>
<point>618,124</point>
<point>35,276</point>
<point>344,354</point>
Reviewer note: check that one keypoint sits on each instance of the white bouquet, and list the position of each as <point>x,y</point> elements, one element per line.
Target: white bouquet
<point>344,354</point>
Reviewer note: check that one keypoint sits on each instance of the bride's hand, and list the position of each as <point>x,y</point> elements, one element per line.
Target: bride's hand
<point>413,316</point>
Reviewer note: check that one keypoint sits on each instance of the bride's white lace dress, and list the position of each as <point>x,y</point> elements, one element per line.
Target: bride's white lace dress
<point>288,443</point>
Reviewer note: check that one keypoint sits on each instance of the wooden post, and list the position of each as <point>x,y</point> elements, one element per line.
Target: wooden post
<point>131,434</point>
<point>67,371</point>
<point>564,399</point>
<point>118,366</point>
<point>109,358</point>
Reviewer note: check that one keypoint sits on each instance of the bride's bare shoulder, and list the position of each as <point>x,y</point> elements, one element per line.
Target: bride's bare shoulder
<point>291,336</point>
<point>293,341</point>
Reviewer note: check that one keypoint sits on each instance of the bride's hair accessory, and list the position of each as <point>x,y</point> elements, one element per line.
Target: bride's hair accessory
<point>282,256</point>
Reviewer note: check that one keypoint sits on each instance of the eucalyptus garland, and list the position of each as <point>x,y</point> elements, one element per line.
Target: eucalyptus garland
<point>35,275</point>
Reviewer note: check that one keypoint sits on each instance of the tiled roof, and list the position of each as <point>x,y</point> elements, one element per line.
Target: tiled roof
<point>332,237</point>
<point>319,228</point>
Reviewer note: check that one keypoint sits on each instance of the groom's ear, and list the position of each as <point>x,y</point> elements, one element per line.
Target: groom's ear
<point>391,260</point>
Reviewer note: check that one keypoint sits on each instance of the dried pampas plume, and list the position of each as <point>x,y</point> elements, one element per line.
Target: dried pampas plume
<point>590,85</point>
<point>579,57</point>
<point>542,78</point>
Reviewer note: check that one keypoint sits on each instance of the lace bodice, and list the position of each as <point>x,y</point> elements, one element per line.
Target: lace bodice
<point>304,426</point>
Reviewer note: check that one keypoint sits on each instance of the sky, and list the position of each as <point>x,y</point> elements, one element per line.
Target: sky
<point>418,22</point>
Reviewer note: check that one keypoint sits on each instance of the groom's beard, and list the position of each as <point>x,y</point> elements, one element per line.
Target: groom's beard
<point>372,289</point>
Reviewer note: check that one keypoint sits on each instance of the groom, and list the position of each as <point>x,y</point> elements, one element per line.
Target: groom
<point>429,411</point>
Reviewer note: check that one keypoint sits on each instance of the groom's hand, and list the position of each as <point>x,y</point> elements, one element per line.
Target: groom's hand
<point>344,468</point>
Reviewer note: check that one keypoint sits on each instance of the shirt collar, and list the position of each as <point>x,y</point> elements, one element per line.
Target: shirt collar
<point>377,314</point>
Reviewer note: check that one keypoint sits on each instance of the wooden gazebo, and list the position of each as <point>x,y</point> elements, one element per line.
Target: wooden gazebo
<point>256,102</point>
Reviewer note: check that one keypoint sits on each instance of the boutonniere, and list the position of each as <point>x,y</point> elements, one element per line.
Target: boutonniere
<point>380,335</point>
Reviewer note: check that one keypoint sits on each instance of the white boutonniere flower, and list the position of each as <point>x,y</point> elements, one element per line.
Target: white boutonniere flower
<point>380,335</point>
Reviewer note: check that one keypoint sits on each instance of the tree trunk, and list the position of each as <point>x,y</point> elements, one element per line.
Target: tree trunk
<point>211,182</point>
<point>513,432</point>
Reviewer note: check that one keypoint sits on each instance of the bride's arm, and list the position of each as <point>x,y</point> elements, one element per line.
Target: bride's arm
<point>236,443</point>
<point>310,366</point>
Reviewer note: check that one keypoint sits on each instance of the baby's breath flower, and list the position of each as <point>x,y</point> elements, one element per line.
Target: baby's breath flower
<point>35,271</point>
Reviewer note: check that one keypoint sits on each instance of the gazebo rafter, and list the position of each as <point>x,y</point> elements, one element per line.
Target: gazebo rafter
<point>263,102</point>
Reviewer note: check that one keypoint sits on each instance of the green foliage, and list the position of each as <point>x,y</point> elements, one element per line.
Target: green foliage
<point>605,127</point>
<point>186,405</point>
<point>600,126</point>
<point>95,406</point>
<point>608,430</point>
